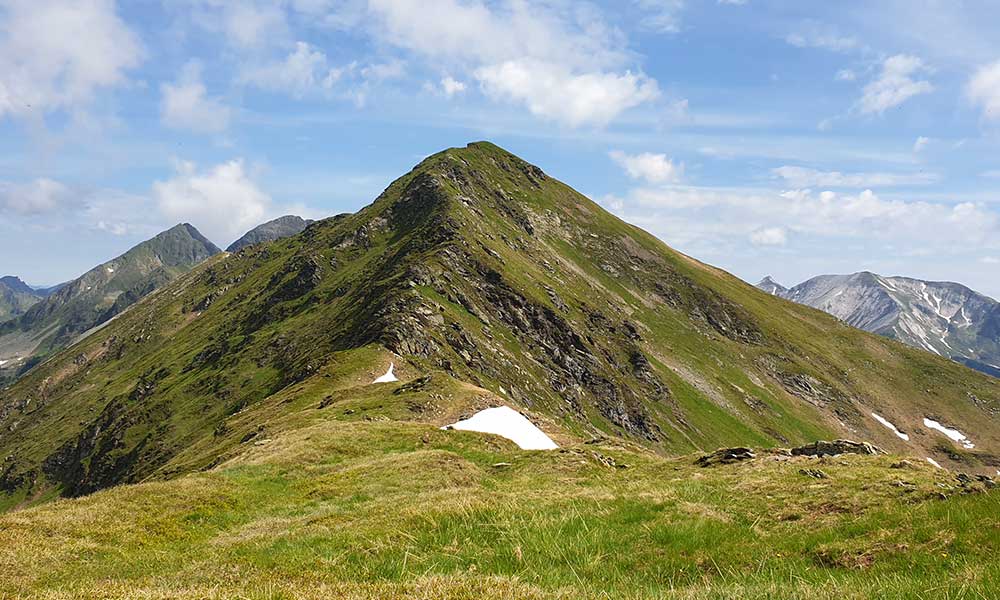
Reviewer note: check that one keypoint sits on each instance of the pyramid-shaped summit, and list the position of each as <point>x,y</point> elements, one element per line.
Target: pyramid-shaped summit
<point>484,281</point>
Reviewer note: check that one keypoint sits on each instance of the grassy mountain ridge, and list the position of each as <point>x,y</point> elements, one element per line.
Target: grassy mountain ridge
<point>479,268</point>
<point>102,293</point>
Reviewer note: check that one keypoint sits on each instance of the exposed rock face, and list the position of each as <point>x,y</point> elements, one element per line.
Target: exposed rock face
<point>725,456</point>
<point>944,318</point>
<point>823,448</point>
<point>277,229</point>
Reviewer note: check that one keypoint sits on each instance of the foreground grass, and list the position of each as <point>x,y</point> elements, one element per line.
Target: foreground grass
<point>387,509</point>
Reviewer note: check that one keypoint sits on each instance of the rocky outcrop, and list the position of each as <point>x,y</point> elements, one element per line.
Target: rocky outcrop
<point>836,447</point>
<point>725,456</point>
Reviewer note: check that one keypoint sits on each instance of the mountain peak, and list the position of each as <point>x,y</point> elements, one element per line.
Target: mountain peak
<point>282,227</point>
<point>769,285</point>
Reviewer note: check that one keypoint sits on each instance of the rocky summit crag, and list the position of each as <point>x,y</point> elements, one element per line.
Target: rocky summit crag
<point>483,279</point>
<point>947,319</point>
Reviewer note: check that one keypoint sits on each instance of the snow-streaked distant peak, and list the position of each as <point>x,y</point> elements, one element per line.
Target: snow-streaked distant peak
<point>507,422</point>
<point>889,425</point>
<point>954,434</point>
<point>388,377</point>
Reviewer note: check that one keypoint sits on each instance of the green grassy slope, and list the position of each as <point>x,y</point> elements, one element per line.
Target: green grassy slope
<point>478,267</point>
<point>103,292</point>
<point>365,497</point>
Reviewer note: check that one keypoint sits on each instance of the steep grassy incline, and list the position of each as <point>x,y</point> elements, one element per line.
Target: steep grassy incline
<point>102,293</point>
<point>478,268</point>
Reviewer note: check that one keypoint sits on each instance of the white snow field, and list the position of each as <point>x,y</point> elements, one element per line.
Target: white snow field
<point>954,434</point>
<point>507,422</point>
<point>885,422</point>
<point>389,375</point>
<point>934,462</point>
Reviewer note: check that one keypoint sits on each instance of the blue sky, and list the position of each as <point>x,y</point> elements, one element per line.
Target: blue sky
<point>784,138</point>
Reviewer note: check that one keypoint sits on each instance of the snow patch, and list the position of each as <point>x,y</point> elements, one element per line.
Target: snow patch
<point>885,422</point>
<point>3,362</point>
<point>954,434</point>
<point>110,270</point>
<point>388,377</point>
<point>507,422</point>
<point>934,462</point>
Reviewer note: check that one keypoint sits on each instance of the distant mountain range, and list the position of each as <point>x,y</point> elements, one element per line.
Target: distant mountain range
<point>281,227</point>
<point>37,322</point>
<point>945,318</point>
<point>15,297</point>
<point>45,323</point>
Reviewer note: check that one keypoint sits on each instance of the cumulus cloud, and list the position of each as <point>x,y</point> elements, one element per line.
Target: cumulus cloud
<point>715,217</point>
<point>303,71</point>
<point>895,84</point>
<point>185,104</point>
<point>555,93</point>
<point>560,61</point>
<point>769,236</point>
<point>654,168</point>
<point>39,197</point>
<point>920,144</point>
<point>56,54</point>
<point>223,201</point>
<point>802,177</point>
<point>984,90</point>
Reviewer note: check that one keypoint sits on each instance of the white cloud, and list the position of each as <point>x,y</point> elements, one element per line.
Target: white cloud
<point>815,35</point>
<point>558,59</point>
<point>895,84</point>
<point>663,15</point>
<point>920,144</point>
<point>654,168</point>
<point>802,177</point>
<point>991,174</point>
<point>990,260</point>
<point>451,87</point>
<point>554,93</point>
<point>39,197</point>
<point>223,202</point>
<point>769,236</point>
<point>984,90</point>
<point>55,54</point>
<point>186,105</point>
<point>712,217</point>
<point>305,70</point>
<point>245,25</point>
